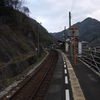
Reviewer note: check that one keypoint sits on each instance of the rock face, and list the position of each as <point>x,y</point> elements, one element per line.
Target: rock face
<point>19,36</point>
<point>13,45</point>
<point>13,69</point>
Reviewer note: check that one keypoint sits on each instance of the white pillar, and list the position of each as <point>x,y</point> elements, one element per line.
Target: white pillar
<point>79,47</point>
<point>66,47</point>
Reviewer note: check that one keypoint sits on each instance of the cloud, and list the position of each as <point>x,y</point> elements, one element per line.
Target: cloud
<point>84,9</point>
<point>95,14</point>
<point>54,13</point>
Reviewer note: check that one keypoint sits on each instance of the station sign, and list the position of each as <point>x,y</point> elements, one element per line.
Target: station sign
<point>71,32</point>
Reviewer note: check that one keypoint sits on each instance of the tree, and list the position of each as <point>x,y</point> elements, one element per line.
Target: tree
<point>17,4</point>
<point>25,10</point>
<point>2,3</point>
<point>6,3</point>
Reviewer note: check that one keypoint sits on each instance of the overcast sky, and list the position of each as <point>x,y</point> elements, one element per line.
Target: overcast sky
<point>53,14</point>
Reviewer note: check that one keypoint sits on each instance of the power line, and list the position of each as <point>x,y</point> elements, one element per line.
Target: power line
<point>73,4</point>
<point>72,7</point>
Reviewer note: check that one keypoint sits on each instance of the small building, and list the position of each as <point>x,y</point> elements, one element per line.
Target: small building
<point>70,42</point>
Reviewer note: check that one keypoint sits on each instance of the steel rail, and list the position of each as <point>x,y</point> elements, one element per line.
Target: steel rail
<point>32,77</point>
<point>43,78</point>
<point>29,79</point>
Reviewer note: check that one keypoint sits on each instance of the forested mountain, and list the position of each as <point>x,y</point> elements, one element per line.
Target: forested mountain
<point>89,31</point>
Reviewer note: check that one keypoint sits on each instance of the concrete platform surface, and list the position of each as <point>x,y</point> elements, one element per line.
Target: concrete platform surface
<point>73,82</point>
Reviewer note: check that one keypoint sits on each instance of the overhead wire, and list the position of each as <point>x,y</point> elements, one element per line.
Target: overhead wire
<point>72,7</point>
<point>73,4</point>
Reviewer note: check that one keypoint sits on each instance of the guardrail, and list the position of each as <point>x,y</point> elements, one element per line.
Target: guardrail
<point>92,58</point>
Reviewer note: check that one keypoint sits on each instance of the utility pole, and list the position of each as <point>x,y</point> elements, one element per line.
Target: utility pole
<point>65,37</point>
<point>70,37</point>
<point>39,37</point>
<point>69,19</point>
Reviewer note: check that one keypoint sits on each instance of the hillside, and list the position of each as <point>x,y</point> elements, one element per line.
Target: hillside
<point>19,36</point>
<point>58,35</point>
<point>89,31</point>
<point>19,44</point>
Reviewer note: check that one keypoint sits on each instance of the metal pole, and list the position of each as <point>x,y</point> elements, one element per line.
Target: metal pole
<point>70,37</point>
<point>74,46</point>
<point>69,19</point>
<point>38,39</point>
<point>65,37</point>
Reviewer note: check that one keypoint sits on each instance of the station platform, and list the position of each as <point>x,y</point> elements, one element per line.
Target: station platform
<point>73,82</point>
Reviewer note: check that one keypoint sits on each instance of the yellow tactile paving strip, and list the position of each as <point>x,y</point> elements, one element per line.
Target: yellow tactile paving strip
<point>76,89</point>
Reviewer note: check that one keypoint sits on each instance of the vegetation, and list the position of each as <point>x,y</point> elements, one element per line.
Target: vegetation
<point>19,35</point>
<point>6,81</point>
<point>18,59</point>
<point>18,32</point>
<point>2,64</point>
<point>12,4</point>
<point>23,57</point>
<point>23,47</point>
<point>38,60</point>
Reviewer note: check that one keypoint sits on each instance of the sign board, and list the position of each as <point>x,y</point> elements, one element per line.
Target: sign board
<point>71,32</point>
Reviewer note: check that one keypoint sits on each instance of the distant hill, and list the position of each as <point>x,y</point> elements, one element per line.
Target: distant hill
<point>58,35</point>
<point>89,31</point>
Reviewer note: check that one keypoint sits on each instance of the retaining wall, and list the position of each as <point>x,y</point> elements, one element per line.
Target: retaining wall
<point>13,69</point>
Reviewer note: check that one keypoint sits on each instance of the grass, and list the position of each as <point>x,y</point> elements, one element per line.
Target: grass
<point>3,50</point>
<point>6,81</point>
<point>38,60</point>
<point>24,57</point>
<point>42,56</point>
<point>24,47</point>
<point>18,59</point>
<point>2,64</point>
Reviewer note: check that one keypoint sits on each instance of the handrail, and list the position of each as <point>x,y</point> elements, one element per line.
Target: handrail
<point>91,57</point>
<point>95,63</point>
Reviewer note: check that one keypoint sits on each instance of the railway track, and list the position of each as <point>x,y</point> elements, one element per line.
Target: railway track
<point>34,86</point>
